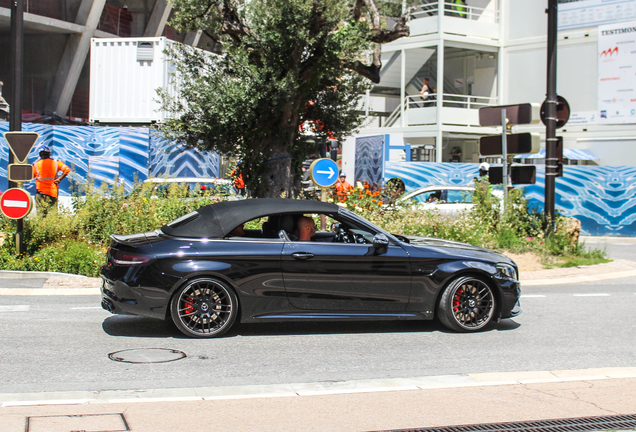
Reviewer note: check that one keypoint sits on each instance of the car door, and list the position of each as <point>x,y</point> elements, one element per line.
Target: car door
<point>346,277</point>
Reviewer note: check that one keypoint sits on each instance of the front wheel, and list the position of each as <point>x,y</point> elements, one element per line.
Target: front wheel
<point>467,304</point>
<point>204,308</point>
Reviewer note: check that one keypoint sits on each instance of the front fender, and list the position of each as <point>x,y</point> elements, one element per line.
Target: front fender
<point>426,289</point>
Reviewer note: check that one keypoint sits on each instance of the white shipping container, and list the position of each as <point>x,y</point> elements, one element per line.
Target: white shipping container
<point>124,77</point>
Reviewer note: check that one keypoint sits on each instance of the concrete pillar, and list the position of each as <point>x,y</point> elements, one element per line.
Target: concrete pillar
<point>193,38</point>
<point>439,80</point>
<point>403,88</point>
<point>501,57</point>
<point>74,57</point>
<point>158,19</point>
<point>440,97</point>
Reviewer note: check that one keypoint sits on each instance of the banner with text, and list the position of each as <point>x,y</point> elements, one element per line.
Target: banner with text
<point>617,73</point>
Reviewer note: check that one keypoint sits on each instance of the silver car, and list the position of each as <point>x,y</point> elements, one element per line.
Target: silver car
<point>445,198</point>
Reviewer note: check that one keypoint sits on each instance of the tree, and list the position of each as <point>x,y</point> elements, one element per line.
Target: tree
<point>279,64</point>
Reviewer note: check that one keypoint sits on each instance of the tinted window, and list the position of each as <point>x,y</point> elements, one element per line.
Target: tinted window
<point>459,196</point>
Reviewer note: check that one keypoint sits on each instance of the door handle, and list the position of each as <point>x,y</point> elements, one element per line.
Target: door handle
<point>302,255</point>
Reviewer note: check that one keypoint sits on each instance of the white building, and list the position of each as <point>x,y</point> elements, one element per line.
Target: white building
<point>494,52</point>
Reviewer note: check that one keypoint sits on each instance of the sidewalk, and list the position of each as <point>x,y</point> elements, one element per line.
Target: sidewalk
<point>342,406</point>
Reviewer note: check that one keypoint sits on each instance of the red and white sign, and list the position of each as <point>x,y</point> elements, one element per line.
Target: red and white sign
<point>16,203</point>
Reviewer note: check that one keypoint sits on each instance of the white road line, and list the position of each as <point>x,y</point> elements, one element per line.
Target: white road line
<point>591,295</point>
<point>87,307</point>
<point>532,296</point>
<point>15,308</point>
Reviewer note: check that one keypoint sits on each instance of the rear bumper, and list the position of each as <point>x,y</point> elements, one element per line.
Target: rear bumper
<point>119,298</point>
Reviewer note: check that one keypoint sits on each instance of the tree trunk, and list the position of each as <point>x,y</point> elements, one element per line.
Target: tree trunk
<point>277,177</point>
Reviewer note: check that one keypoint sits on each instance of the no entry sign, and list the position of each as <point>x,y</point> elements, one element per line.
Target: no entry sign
<point>16,203</point>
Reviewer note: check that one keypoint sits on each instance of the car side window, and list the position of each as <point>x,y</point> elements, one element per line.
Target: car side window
<point>429,196</point>
<point>459,197</point>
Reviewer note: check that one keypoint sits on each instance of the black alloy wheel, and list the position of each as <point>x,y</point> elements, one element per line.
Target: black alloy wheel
<point>204,308</point>
<point>468,304</point>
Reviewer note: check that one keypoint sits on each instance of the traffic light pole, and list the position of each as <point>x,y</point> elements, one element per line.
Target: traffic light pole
<point>551,166</point>
<point>15,115</point>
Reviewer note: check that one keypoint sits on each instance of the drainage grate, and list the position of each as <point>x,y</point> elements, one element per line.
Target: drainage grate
<point>615,422</point>
<point>147,355</point>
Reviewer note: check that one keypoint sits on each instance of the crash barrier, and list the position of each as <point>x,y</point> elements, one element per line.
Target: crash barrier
<point>603,198</point>
<point>109,154</point>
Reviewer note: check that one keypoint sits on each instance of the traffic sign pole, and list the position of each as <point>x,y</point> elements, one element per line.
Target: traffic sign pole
<point>551,167</point>
<point>20,144</point>
<point>504,153</point>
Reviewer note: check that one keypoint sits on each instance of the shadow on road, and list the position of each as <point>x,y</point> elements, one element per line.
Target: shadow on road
<point>134,326</point>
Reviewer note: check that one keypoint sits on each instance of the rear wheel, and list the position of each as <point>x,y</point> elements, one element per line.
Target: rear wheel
<point>204,308</point>
<point>467,304</point>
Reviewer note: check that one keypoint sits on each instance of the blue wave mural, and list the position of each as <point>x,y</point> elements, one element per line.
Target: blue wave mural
<point>369,158</point>
<point>174,160</point>
<point>110,154</point>
<point>603,198</point>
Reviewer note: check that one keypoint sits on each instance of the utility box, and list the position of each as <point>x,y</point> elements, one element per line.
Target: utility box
<point>124,77</point>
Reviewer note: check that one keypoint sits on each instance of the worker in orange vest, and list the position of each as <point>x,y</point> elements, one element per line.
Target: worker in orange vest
<point>239,183</point>
<point>45,172</point>
<point>343,187</point>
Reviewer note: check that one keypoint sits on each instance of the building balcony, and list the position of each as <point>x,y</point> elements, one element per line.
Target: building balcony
<point>473,21</point>
<point>455,110</point>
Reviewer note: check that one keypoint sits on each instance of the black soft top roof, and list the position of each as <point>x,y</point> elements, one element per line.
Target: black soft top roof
<point>217,220</point>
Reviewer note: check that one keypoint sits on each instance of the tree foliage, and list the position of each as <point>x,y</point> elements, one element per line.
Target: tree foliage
<point>277,65</point>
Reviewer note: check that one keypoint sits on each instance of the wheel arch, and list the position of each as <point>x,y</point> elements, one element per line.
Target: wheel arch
<point>486,277</point>
<point>200,275</point>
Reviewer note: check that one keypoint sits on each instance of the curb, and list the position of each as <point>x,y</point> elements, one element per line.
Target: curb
<point>17,274</point>
<point>313,389</point>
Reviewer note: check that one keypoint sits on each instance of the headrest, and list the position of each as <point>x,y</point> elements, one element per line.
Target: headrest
<point>287,223</point>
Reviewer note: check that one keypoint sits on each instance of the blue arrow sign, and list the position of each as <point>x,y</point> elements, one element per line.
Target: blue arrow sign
<point>323,172</point>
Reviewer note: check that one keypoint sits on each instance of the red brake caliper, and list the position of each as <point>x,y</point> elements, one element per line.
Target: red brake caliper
<point>188,307</point>
<point>456,299</point>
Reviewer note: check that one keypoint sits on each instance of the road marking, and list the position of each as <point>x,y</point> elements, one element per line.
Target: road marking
<point>532,296</point>
<point>15,308</point>
<point>591,295</point>
<point>86,307</point>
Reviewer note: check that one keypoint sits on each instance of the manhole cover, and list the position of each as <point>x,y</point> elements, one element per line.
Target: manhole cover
<point>147,355</point>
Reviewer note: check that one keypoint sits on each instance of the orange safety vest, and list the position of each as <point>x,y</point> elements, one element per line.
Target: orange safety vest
<point>343,187</point>
<point>45,172</point>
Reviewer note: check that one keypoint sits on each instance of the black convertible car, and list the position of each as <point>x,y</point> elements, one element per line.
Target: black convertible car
<point>197,272</point>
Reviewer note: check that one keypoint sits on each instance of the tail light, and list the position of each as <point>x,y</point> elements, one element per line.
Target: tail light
<point>129,258</point>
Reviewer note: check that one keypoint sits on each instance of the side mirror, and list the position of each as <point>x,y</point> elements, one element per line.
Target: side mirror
<point>380,243</point>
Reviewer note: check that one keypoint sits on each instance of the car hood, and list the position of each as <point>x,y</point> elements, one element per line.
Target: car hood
<point>456,248</point>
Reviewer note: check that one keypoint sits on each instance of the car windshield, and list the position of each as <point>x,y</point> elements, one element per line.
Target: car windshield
<point>366,224</point>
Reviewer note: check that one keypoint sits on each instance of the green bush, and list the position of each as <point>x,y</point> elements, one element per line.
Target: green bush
<point>77,242</point>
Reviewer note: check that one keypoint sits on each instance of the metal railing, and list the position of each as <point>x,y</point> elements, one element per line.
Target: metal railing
<point>452,9</point>
<point>449,100</point>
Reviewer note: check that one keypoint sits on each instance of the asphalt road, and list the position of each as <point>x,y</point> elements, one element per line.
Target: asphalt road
<point>54,343</point>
